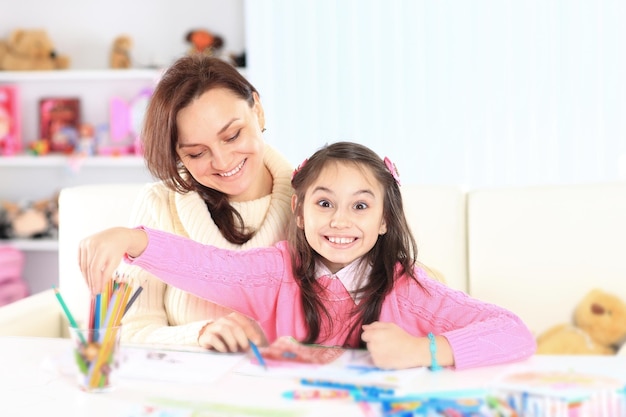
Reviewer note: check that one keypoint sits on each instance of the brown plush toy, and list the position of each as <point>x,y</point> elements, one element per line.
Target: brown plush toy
<point>30,49</point>
<point>599,328</point>
<point>203,42</point>
<point>120,52</point>
<point>32,220</point>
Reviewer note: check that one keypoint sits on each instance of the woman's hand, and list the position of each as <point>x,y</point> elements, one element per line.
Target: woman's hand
<point>393,348</point>
<point>231,333</point>
<point>100,254</point>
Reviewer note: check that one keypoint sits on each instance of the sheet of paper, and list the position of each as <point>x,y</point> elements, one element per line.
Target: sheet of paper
<point>163,363</point>
<point>164,407</point>
<point>169,365</point>
<point>286,358</point>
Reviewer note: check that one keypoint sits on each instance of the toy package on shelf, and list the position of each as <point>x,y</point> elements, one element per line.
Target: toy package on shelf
<point>125,125</point>
<point>59,123</point>
<point>10,121</point>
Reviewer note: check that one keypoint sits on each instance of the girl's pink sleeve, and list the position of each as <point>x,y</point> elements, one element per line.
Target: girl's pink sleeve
<point>479,333</point>
<point>246,281</point>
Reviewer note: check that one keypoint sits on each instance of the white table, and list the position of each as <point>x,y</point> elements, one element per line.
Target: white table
<point>31,386</point>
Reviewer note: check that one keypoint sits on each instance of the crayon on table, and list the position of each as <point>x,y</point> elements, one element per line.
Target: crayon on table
<point>370,390</point>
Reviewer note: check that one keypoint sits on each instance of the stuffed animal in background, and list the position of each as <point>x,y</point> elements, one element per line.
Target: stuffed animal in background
<point>32,220</point>
<point>30,49</point>
<point>120,52</point>
<point>203,42</point>
<point>599,327</point>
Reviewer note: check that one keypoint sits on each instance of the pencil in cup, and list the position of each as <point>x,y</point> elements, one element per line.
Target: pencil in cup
<point>95,348</point>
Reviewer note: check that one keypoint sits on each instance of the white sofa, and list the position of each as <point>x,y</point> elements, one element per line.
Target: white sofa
<point>533,250</point>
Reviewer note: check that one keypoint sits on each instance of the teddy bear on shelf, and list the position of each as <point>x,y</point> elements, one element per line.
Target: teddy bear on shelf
<point>30,49</point>
<point>599,328</point>
<point>120,52</point>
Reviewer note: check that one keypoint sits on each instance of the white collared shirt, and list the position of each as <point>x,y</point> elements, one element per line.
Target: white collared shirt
<point>353,276</point>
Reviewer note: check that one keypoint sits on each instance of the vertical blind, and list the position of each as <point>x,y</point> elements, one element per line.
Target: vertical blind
<point>480,93</point>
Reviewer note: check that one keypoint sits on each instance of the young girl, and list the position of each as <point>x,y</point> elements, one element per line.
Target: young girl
<point>347,276</point>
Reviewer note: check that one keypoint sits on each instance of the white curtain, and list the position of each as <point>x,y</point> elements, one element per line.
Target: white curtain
<point>481,93</point>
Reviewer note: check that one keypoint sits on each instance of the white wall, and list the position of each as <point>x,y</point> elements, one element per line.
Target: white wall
<point>85,29</point>
<point>482,92</point>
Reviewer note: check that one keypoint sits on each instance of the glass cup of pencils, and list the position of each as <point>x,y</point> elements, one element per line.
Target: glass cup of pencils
<point>96,348</point>
<point>97,356</point>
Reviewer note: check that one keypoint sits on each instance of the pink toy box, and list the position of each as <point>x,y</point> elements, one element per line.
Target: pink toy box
<point>10,121</point>
<point>12,286</point>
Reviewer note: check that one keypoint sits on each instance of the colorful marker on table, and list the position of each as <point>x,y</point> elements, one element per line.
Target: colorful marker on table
<point>257,354</point>
<point>317,394</point>
<point>368,390</point>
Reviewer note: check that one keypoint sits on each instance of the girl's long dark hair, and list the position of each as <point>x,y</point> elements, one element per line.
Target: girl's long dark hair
<point>393,254</point>
<point>187,79</point>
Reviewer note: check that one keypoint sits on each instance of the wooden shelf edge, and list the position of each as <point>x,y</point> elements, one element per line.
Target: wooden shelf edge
<point>105,74</point>
<point>44,244</point>
<point>63,161</point>
<point>76,74</point>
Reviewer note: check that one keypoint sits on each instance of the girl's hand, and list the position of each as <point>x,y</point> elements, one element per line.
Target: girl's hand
<point>231,334</point>
<point>100,254</point>
<point>393,348</point>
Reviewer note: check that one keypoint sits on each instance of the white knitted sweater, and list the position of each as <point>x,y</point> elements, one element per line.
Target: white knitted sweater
<point>167,315</point>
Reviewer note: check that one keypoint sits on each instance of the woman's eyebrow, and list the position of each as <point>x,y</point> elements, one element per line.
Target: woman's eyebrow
<point>227,125</point>
<point>222,130</point>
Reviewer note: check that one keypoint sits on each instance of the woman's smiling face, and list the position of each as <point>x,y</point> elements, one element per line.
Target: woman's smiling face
<point>220,143</point>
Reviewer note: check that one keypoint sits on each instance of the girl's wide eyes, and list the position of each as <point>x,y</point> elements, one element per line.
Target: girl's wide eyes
<point>357,206</point>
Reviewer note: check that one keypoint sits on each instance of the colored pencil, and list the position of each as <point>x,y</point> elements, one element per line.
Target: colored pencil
<point>96,312</point>
<point>257,354</point>
<point>133,298</point>
<point>66,310</point>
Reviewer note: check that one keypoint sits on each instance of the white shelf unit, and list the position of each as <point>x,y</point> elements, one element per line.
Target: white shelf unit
<point>26,178</point>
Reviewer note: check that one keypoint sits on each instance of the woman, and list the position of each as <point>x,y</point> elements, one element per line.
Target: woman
<point>220,184</point>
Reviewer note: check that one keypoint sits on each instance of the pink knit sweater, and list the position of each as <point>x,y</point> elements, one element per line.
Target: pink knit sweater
<point>260,284</point>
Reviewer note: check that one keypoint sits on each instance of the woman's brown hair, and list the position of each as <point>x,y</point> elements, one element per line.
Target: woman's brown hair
<point>187,79</point>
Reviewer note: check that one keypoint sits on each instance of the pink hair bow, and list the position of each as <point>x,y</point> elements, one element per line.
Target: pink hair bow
<point>392,168</point>
<point>295,171</point>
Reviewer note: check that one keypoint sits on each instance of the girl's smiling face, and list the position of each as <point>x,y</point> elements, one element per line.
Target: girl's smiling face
<point>342,214</point>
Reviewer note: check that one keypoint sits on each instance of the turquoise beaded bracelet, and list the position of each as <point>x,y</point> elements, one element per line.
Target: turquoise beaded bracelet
<point>434,365</point>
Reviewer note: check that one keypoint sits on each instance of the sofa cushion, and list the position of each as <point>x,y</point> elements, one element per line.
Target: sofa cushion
<point>436,215</point>
<point>539,250</point>
<point>84,210</point>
